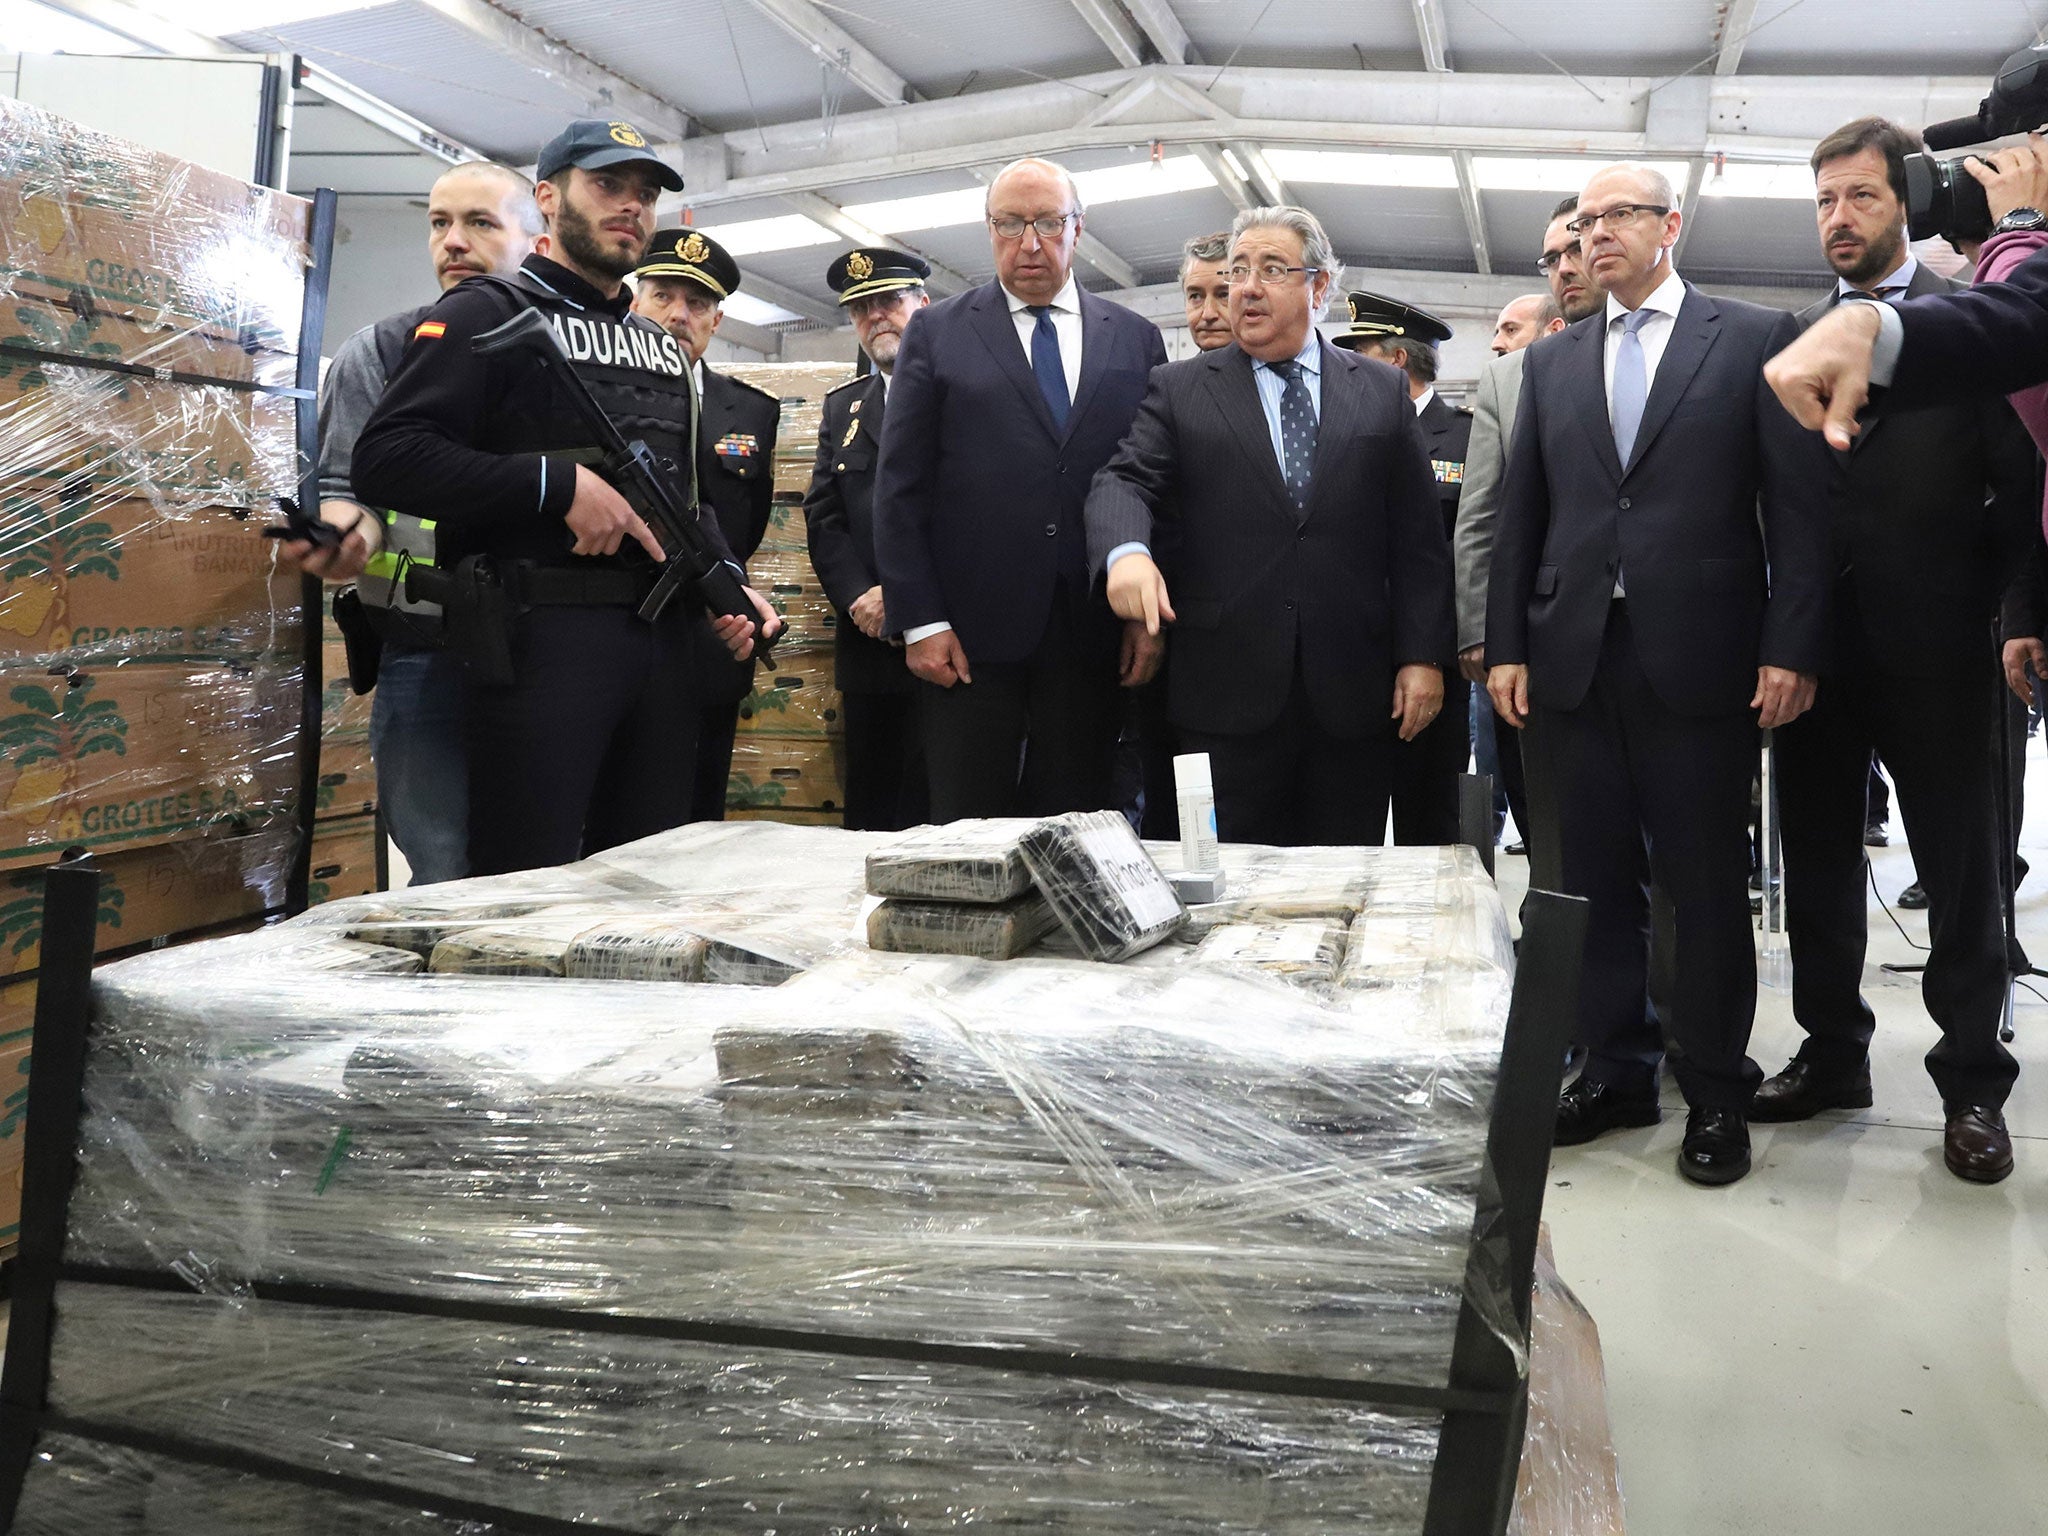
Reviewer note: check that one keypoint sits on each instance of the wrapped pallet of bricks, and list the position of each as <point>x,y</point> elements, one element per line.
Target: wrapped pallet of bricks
<point>788,759</point>
<point>151,648</point>
<point>899,1243</point>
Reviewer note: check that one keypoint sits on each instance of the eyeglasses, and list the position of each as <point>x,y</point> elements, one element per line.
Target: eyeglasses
<point>1617,218</point>
<point>1548,262</point>
<point>1272,274</point>
<point>1048,226</point>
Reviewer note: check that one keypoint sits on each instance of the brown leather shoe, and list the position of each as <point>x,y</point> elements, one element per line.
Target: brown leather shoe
<point>1976,1145</point>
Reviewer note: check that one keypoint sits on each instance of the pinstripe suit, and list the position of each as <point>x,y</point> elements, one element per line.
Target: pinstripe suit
<point>1291,624</point>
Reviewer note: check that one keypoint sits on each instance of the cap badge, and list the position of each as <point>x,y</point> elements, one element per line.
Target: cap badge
<point>859,267</point>
<point>694,249</point>
<point>628,135</point>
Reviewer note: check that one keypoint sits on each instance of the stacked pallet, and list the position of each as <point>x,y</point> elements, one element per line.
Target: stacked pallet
<point>150,647</point>
<point>788,763</point>
<point>345,834</point>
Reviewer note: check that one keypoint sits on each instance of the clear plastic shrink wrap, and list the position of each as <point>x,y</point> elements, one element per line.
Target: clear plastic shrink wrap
<point>1169,1162</point>
<point>977,861</point>
<point>997,932</point>
<point>1110,897</point>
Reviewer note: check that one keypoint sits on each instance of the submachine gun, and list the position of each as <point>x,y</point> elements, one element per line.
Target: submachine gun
<point>628,467</point>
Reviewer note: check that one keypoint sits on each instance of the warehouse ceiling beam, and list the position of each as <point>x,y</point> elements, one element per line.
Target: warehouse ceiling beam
<point>1430,31</point>
<point>1689,206</point>
<point>1265,180</point>
<point>1736,24</point>
<point>1162,28</point>
<point>833,45</point>
<point>140,26</point>
<point>1750,117</point>
<point>1120,35</point>
<point>1224,174</point>
<point>755,338</point>
<point>605,92</point>
<point>1475,215</point>
<point>944,279</point>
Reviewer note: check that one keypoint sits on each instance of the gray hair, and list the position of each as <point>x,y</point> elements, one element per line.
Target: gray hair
<point>1317,254</point>
<point>1659,184</point>
<point>1211,248</point>
<point>524,210</point>
<point>1422,360</point>
<point>1065,175</point>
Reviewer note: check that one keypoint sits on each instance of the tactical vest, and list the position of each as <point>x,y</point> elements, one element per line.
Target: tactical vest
<point>407,540</point>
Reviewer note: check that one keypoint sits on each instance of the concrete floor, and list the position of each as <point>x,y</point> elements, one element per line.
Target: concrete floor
<point>1851,1340</point>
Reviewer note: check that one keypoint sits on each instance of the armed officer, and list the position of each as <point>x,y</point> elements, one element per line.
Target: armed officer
<point>1426,769</point>
<point>682,285</point>
<point>886,789</point>
<point>582,718</point>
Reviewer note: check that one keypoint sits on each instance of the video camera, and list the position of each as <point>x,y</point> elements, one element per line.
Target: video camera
<point>1942,197</point>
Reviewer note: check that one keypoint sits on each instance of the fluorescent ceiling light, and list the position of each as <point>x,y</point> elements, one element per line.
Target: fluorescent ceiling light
<point>1793,182</point>
<point>785,232</point>
<point>744,306</point>
<point>1515,174</point>
<point>1362,168</point>
<point>1145,178</point>
<point>29,28</point>
<point>932,210</point>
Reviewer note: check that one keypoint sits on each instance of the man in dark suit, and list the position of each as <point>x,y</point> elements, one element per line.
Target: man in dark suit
<point>1005,402</point>
<point>1426,769</point>
<point>881,290</point>
<point>1930,508</point>
<point>1990,339</point>
<point>1629,608</point>
<point>1286,491</point>
<point>682,286</point>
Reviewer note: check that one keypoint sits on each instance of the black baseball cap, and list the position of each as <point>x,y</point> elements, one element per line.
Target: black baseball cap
<point>594,144</point>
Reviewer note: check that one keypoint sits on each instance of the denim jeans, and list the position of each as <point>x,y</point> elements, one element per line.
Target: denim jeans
<point>416,738</point>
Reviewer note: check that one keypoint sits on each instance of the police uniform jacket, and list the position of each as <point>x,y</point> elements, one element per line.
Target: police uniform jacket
<point>839,518</point>
<point>736,479</point>
<point>1446,433</point>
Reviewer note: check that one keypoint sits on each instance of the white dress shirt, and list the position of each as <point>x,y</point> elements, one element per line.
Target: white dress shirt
<point>1421,401</point>
<point>1655,335</point>
<point>1066,324</point>
<point>1893,287</point>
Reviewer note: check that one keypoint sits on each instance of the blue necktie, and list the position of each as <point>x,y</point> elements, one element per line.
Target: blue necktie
<point>1631,384</point>
<point>1045,362</point>
<point>1297,432</point>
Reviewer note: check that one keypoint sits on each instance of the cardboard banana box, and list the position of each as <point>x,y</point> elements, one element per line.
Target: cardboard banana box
<point>772,773</point>
<point>344,859</point>
<point>85,579</point>
<point>794,696</point>
<point>110,225</point>
<point>148,893</point>
<point>147,752</point>
<point>348,778</point>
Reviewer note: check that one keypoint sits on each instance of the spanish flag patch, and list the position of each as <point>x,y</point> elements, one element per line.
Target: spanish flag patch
<point>430,328</point>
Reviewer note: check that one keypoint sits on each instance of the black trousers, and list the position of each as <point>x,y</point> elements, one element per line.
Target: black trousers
<point>1940,739</point>
<point>717,728</point>
<point>886,789</point>
<point>1643,791</point>
<point>589,747</point>
<point>1426,770</point>
<point>1294,784</point>
<point>1029,738</point>
<point>1514,782</point>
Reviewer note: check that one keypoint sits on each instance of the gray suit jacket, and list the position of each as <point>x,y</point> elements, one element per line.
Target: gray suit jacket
<point>1486,463</point>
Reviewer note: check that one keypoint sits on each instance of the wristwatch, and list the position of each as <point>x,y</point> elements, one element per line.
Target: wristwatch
<point>2021,218</point>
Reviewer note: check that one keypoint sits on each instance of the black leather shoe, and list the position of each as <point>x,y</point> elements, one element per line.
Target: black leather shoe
<point>1875,836</point>
<point>1800,1092</point>
<point>1975,1144</point>
<point>1716,1148</point>
<point>1518,849</point>
<point>1914,897</point>
<point>1586,1110</point>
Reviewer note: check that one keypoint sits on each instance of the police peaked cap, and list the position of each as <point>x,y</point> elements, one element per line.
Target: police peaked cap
<point>1375,317</point>
<point>595,144</point>
<point>870,269</point>
<point>693,254</point>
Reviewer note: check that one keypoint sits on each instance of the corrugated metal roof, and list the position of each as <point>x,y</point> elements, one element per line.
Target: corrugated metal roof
<point>1304,33</point>
<point>930,47</point>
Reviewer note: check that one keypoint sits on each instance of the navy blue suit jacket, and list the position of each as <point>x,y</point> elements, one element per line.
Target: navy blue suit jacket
<point>1719,523</point>
<point>1347,589</point>
<point>977,498</point>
